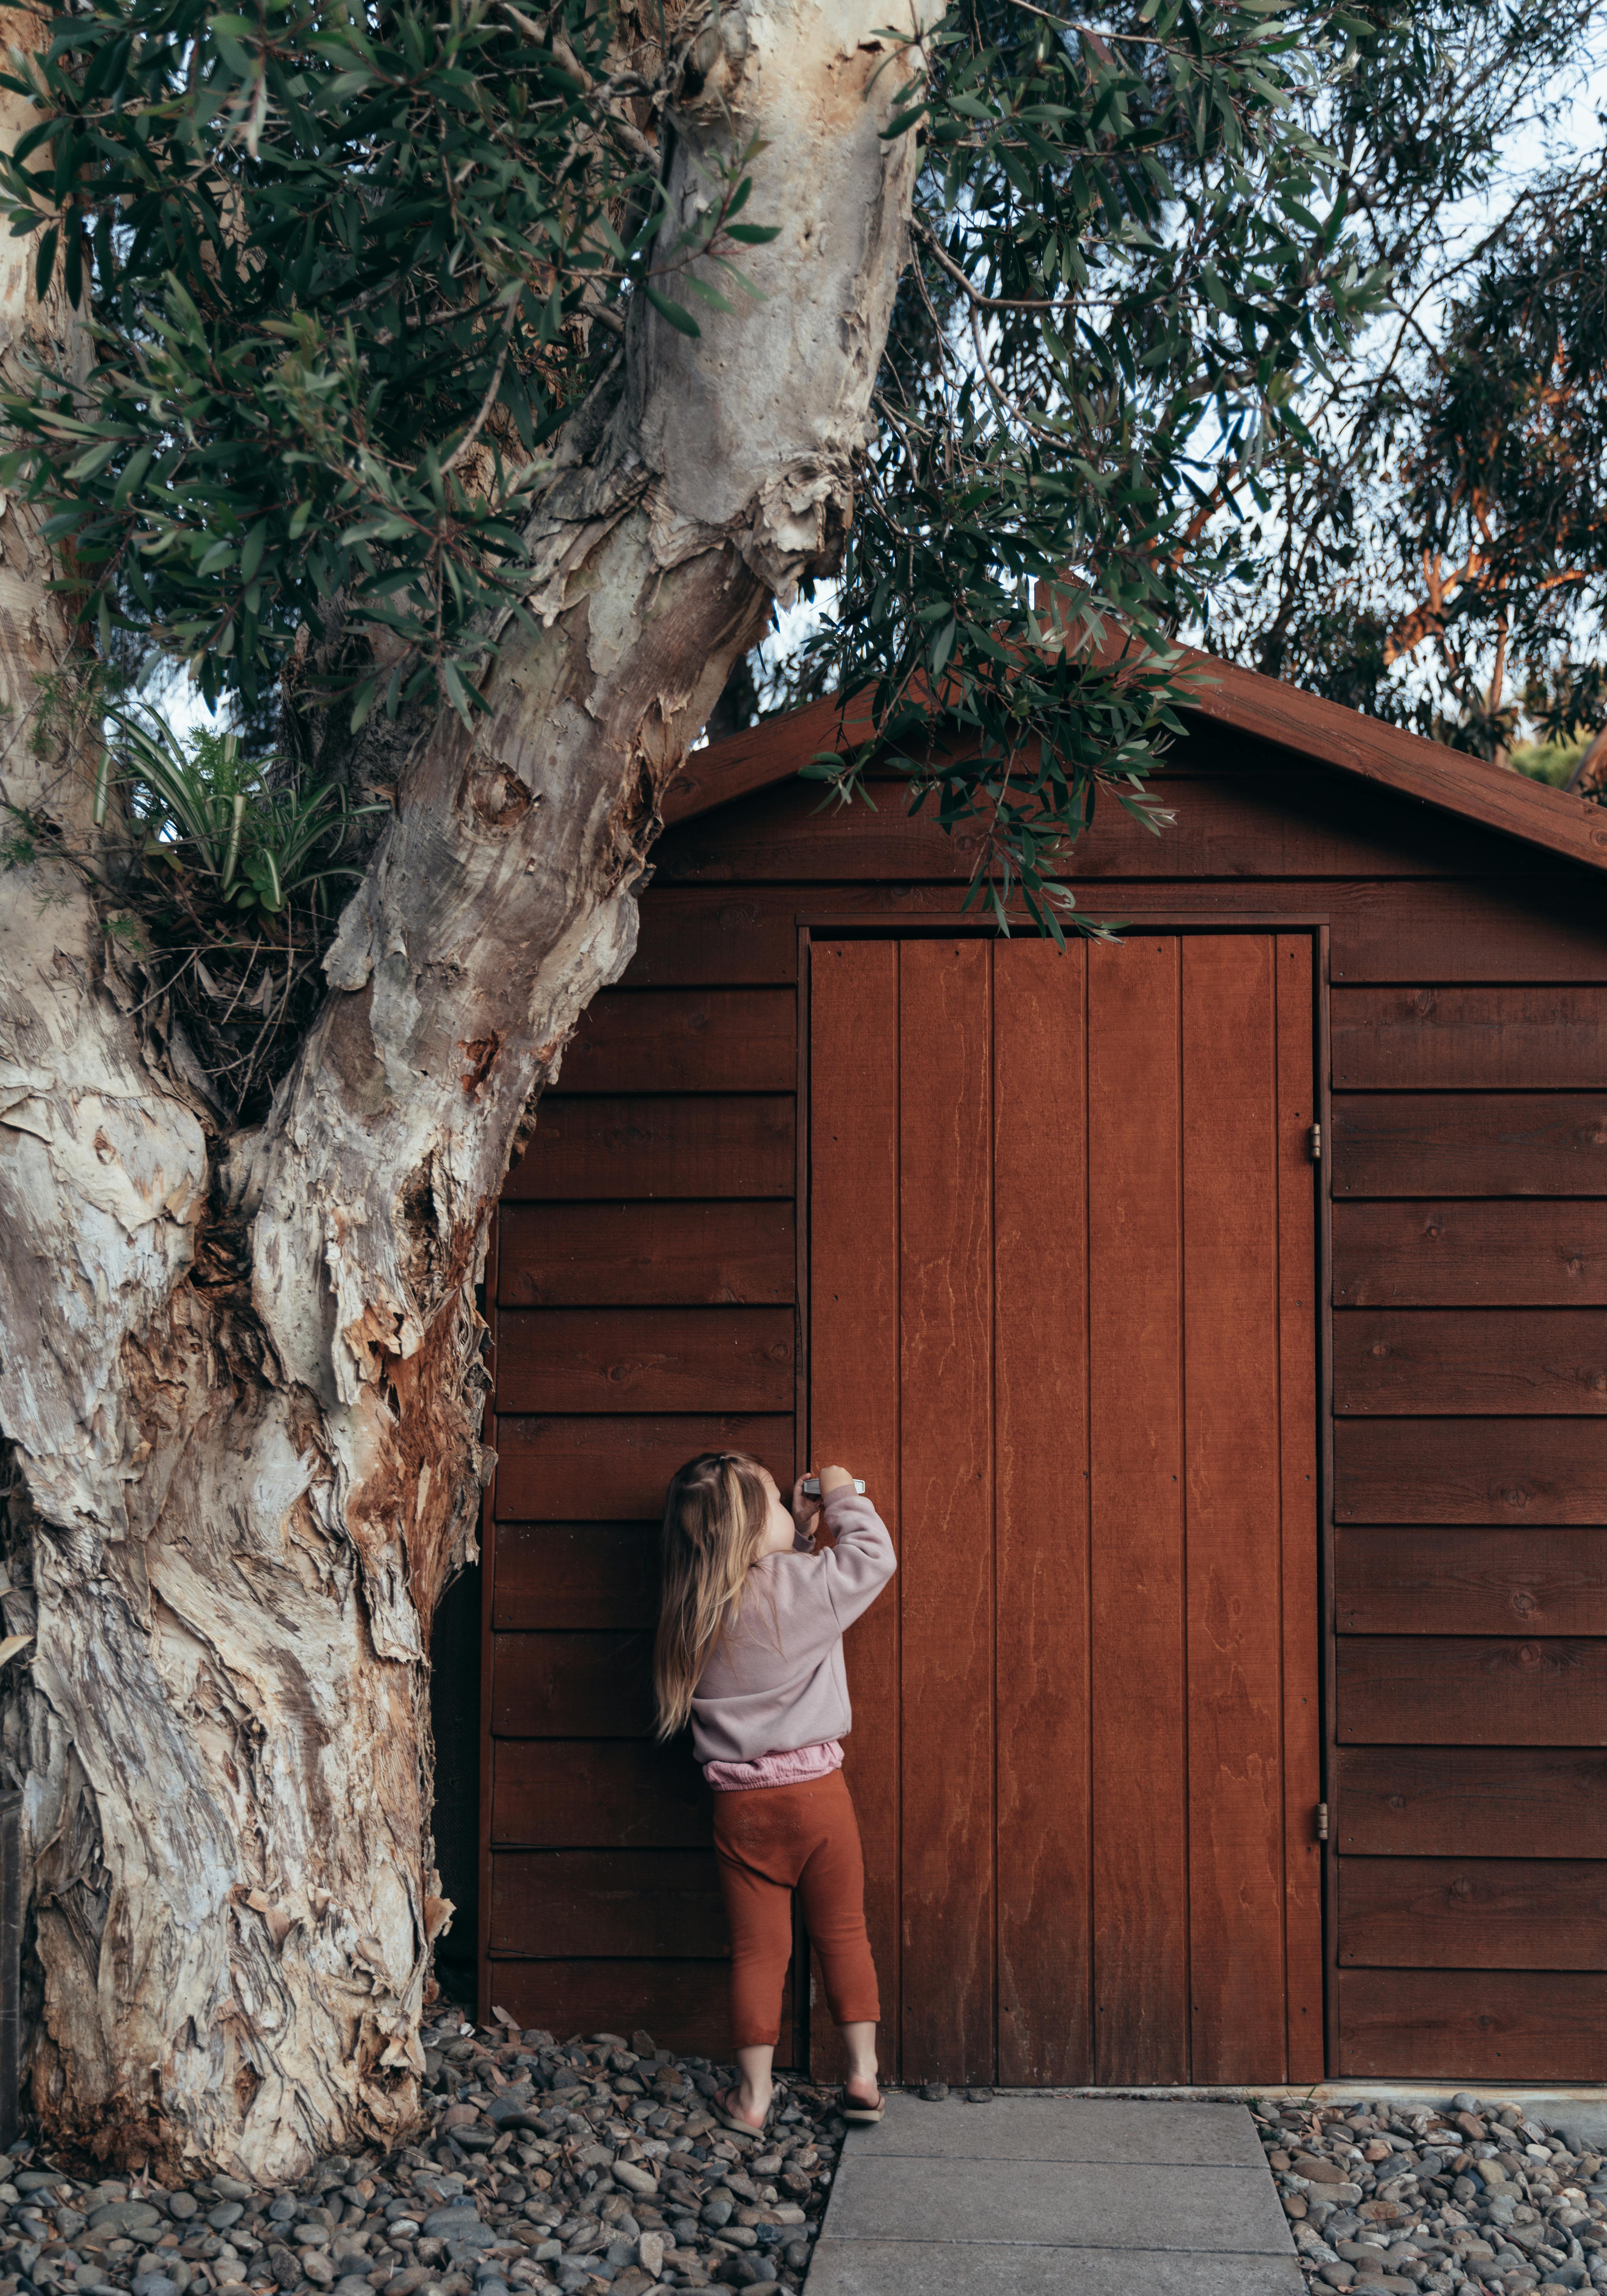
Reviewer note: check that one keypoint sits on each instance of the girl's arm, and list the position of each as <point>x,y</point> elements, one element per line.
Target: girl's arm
<point>862,1561</point>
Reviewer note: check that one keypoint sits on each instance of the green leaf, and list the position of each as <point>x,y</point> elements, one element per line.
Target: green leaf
<point>681,320</point>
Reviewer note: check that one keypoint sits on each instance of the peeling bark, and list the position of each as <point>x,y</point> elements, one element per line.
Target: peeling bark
<point>240,1381</point>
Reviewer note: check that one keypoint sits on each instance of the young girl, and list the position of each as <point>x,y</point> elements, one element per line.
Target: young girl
<point>751,1647</point>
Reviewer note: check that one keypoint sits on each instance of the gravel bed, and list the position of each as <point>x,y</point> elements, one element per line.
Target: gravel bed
<point>1473,2195</point>
<point>586,2166</point>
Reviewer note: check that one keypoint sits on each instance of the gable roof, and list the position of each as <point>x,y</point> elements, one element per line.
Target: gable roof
<point>1228,695</point>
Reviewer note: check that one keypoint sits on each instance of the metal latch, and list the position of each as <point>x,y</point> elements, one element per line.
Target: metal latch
<point>1314,1142</point>
<point>1321,1821</point>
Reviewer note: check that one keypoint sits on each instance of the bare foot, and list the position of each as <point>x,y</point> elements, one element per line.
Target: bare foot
<point>727,2105</point>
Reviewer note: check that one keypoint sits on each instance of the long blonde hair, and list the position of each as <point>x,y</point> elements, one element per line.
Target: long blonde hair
<point>714,1519</point>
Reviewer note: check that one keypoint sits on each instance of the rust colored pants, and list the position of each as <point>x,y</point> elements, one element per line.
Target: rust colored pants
<point>770,1841</point>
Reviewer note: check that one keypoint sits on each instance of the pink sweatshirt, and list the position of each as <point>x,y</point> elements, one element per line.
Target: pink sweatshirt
<point>776,1680</point>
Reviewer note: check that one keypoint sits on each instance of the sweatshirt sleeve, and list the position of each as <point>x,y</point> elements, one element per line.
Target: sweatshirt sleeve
<point>860,1564</point>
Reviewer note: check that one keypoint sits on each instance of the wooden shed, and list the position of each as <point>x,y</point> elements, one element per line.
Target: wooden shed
<point>1218,1319</point>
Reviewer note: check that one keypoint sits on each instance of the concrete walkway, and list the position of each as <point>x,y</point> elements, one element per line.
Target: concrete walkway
<point>1054,2196</point>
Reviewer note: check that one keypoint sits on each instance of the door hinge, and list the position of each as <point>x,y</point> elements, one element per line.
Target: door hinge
<point>1321,1821</point>
<point>1314,1142</point>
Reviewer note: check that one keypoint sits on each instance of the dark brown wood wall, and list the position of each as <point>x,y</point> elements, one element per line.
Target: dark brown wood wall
<point>647,1305</point>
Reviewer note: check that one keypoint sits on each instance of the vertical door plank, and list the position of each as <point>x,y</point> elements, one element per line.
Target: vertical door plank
<point>1230,1226</point>
<point>1298,1417</point>
<point>854,1383</point>
<point>1041,1508</point>
<point>1140,1912</point>
<point>947,1484</point>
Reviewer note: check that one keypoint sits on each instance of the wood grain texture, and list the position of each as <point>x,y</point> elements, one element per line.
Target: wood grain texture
<point>1141,2001</point>
<point>1477,1470</point>
<point>946,1486</point>
<point>643,1904</point>
<point>854,1389</point>
<point>1234,1542</point>
<point>620,1146</point>
<point>1536,925</point>
<point>1473,1913</point>
<point>1469,1255</point>
<point>1040,1307</point>
<point>1477,1582</point>
<point>572,1469</point>
<point>1472,2025</point>
<point>598,1794</point>
<point>1298,1411</point>
<point>684,2004</point>
<point>576,1574</point>
<point>656,1360</point>
<point>1524,925</point>
<point>1471,1801</point>
<point>1505,1039</point>
<point>1472,1143</point>
<point>646,1255</point>
<point>1251,827</point>
<point>552,1684</point>
<point>696,939</point>
<point>1468,1690</point>
<point>684,1040</point>
<point>1515,1362</point>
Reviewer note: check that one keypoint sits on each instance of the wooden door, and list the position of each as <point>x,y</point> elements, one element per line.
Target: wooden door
<point>1062,1314</point>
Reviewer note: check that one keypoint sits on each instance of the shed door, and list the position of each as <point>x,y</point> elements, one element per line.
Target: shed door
<point>1062,1314</point>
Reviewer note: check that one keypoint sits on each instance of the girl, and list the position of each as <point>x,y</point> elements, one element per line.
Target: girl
<point>751,1648</point>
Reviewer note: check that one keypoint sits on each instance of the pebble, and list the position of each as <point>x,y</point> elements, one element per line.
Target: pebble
<point>590,2168</point>
<point>1473,2195</point>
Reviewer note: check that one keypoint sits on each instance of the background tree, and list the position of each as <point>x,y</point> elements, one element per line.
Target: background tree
<point>1437,547</point>
<point>463,387</point>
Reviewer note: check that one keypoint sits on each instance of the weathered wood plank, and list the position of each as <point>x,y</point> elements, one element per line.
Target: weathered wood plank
<point>1140,1872</point>
<point>1472,1143</point>
<point>684,1040</point>
<point>1231,1430</point>
<point>1472,1913</point>
<point>854,1391</point>
<point>1518,1361</point>
<point>568,1684</point>
<point>1477,1471</point>
<point>620,1145</point>
<point>622,1794</point>
<point>576,1574</point>
<point>1545,925</point>
<point>644,1255</point>
<point>570,1469</point>
<point>1253,825</point>
<point>1471,1801</point>
<point>645,1360</point>
<point>946,1483</point>
<point>1468,1690</point>
<point>689,938</point>
<point>1469,1255</point>
<point>1477,1582</point>
<point>1040,1311</point>
<point>638,1904</point>
<point>1507,1038</point>
<point>1298,1423</point>
<point>1468,2026</point>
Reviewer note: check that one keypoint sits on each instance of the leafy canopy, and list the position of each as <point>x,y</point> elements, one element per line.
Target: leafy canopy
<point>351,268</point>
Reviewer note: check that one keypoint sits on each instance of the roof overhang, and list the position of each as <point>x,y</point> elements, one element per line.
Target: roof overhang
<point>1226,694</point>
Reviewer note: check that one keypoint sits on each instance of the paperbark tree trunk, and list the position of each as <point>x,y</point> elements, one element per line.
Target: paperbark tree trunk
<point>240,1381</point>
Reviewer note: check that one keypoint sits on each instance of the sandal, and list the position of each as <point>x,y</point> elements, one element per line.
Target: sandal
<point>722,2103</point>
<point>863,2116</point>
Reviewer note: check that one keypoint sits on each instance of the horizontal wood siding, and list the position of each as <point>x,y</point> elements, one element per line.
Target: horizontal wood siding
<point>1469,1790</point>
<point>646,1311</point>
<point>647,1303</point>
